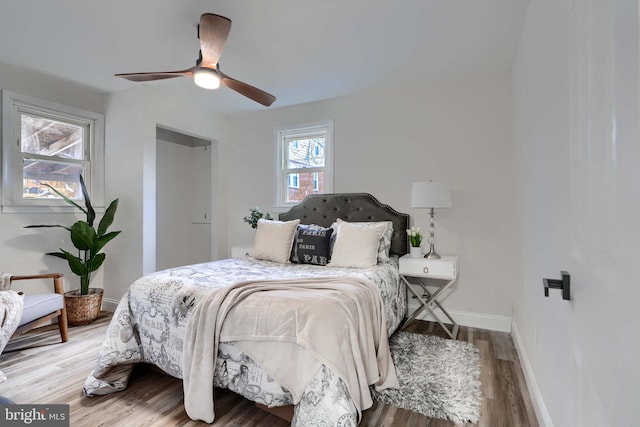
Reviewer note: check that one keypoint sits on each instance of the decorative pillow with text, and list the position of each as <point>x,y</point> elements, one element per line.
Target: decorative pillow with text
<point>311,245</point>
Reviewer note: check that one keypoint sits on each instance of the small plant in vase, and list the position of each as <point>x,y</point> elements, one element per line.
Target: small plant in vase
<point>255,215</point>
<point>415,239</point>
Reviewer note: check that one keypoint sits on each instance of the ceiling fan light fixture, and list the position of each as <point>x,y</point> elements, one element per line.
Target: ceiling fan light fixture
<point>213,31</point>
<point>206,78</point>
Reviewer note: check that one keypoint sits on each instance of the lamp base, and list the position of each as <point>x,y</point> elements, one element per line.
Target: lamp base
<point>432,251</point>
<point>432,255</point>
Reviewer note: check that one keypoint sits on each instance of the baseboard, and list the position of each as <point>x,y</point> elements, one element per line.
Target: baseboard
<point>109,304</point>
<point>534,391</point>
<point>492,322</point>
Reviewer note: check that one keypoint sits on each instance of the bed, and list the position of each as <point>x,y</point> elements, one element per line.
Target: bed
<point>165,319</point>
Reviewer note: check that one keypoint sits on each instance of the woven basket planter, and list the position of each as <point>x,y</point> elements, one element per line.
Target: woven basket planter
<point>83,309</point>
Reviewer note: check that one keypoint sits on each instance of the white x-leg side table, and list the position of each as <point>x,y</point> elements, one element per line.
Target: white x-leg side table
<point>445,271</point>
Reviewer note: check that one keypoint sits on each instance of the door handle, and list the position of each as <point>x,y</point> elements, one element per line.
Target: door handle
<point>564,284</point>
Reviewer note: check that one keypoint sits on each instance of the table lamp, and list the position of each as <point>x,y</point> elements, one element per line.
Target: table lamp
<point>430,195</point>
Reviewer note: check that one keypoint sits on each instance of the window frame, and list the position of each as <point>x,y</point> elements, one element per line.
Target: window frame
<point>302,131</point>
<point>15,104</point>
<point>294,182</point>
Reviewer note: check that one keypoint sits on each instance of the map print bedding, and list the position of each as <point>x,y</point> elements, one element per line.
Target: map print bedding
<point>149,326</point>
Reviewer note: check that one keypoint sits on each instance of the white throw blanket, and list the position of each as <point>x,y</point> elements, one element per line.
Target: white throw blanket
<point>5,281</point>
<point>11,305</point>
<point>338,322</point>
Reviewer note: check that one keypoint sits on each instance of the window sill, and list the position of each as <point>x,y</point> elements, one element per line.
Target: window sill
<point>45,209</point>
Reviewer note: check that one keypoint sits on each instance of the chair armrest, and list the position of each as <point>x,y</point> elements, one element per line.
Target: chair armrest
<point>57,282</point>
<point>38,276</point>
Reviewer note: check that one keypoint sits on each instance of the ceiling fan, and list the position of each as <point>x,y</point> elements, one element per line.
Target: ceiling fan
<point>213,31</point>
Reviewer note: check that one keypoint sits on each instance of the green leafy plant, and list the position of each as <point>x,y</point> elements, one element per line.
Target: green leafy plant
<point>85,238</point>
<point>415,238</point>
<point>255,215</point>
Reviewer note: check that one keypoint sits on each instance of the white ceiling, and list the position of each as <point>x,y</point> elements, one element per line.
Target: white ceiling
<point>298,50</point>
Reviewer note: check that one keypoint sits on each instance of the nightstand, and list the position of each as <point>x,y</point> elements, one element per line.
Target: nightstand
<point>444,270</point>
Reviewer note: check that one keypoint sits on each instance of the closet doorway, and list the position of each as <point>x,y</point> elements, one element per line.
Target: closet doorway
<point>183,199</point>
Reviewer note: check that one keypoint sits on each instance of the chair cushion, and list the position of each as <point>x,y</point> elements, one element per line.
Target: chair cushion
<point>38,305</point>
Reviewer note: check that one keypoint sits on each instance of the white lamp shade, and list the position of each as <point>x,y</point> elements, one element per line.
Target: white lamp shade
<point>430,195</point>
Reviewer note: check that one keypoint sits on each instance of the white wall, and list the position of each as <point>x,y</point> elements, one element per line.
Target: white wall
<point>131,120</point>
<point>456,131</point>
<point>183,205</point>
<point>131,117</point>
<point>22,251</point>
<point>576,129</point>
<point>127,134</point>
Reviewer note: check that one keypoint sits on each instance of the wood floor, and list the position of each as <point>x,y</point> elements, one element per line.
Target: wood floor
<point>42,370</point>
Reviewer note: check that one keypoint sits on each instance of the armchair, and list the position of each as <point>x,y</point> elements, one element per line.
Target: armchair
<point>39,308</point>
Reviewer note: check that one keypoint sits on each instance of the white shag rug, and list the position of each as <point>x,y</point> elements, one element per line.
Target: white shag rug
<point>438,378</point>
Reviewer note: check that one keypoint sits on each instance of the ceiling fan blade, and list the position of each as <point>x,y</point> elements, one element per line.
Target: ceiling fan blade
<point>146,77</point>
<point>247,90</point>
<point>213,32</point>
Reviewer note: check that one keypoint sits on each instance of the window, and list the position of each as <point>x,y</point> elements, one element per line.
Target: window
<point>48,143</point>
<point>305,163</point>
<point>294,180</point>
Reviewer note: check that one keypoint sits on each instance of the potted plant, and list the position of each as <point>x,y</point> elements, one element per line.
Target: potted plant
<point>83,305</point>
<point>415,239</point>
<point>255,215</point>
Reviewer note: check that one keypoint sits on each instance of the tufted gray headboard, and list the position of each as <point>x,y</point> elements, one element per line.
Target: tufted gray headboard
<point>324,209</point>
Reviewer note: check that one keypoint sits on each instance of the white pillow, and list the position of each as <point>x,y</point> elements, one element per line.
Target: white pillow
<point>274,240</point>
<point>356,246</point>
<point>384,245</point>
